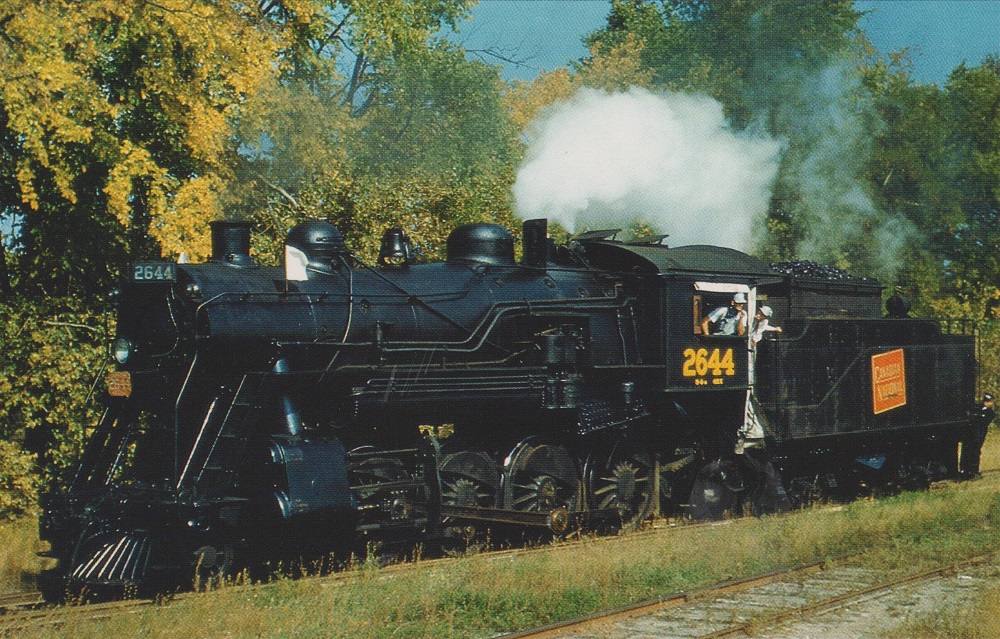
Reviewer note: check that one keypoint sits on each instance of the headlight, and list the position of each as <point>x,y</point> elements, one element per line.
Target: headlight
<point>121,350</point>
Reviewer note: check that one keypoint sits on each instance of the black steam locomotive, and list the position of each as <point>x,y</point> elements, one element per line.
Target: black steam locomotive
<point>263,412</point>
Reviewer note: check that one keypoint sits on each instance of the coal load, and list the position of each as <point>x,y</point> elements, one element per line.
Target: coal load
<point>808,268</point>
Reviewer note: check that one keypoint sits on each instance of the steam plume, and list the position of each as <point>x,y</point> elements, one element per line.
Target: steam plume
<point>834,121</point>
<point>603,160</point>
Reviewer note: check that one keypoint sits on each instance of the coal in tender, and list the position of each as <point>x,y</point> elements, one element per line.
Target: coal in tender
<point>808,268</point>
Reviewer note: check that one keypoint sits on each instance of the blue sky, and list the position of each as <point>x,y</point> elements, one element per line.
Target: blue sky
<point>546,34</point>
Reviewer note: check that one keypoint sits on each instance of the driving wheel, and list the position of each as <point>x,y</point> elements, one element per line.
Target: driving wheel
<point>541,477</point>
<point>623,482</point>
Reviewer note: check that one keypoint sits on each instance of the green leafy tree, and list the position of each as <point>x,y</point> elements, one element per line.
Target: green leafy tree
<point>126,126</point>
<point>120,119</point>
<point>972,248</point>
<point>434,146</point>
<point>53,351</point>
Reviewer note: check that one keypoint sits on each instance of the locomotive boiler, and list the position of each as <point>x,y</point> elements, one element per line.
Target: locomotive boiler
<point>261,413</point>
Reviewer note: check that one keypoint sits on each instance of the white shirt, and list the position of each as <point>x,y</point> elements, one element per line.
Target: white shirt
<point>726,319</point>
<point>761,327</point>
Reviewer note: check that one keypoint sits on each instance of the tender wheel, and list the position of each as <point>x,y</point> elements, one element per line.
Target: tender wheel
<point>624,482</point>
<point>767,495</point>
<point>805,491</point>
<point>541,478</point>
<point>718,490</point>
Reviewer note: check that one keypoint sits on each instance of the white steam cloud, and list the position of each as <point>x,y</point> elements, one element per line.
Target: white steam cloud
<point>671,161</point>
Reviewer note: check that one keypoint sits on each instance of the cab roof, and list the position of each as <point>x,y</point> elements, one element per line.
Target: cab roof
<point>651,258</point>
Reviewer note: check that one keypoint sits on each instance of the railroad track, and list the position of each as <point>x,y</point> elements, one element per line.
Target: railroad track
<point>28,609</point>
<point>733,608</point>
<point>20,600</point>
<point>51,615</point>
<point>749,606</point>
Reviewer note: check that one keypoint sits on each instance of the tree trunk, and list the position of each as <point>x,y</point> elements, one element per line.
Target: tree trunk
<point>5,292</point>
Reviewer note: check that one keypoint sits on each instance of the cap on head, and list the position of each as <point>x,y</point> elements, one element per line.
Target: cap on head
<point>739,298</point>
<point>987,397</point>
<point>766,311</point>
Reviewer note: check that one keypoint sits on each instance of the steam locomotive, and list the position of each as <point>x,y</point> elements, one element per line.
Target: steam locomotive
<point>266,412</point>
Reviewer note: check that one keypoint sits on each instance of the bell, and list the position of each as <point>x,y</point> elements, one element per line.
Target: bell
<point>396,249</point>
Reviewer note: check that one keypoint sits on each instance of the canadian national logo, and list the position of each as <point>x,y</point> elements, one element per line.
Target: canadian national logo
<point>888,381</point>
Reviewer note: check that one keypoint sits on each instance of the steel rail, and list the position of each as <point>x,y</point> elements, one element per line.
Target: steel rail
<point>19,600</point>
<point>771,621</point>
<point>648,606</point>
<point>752,626</point>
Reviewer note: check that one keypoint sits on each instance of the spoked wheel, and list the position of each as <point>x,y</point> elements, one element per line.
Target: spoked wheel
<point>541,477</point>
<point>718,490</point>
<point>367,475</point>
<point>469,479</point>
<point>624,483</point>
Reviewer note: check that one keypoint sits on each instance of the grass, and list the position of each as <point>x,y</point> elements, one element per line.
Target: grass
<point>19,560</point>
<point>981,618</point>
<point>978,620</point>
<point>480,596</point>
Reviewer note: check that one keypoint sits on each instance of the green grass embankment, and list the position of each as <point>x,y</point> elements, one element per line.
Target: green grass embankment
<point>480,596</point>
<point>19,560</point>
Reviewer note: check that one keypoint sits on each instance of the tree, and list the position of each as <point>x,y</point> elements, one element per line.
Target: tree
<point>611,67</point>
<point>53,349</point>
<point>433,147</point>
<point>110,109</point>
<point>972,243</point>
<point>120,119</point>
<point>797,72</point>
<point>126,126</point>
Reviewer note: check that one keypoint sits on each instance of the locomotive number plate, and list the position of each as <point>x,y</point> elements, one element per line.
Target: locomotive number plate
<point>154,272</point>
<point>699,362</point>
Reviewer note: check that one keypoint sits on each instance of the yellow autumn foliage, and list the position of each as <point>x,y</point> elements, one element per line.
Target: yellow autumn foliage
<point>159,102</point>
<point>612,69</point>
<point>183,228</point>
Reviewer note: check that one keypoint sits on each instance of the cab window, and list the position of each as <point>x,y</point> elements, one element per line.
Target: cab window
<point>717,313</point>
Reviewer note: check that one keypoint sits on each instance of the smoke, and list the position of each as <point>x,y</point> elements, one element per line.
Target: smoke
<point>834,120</point>
<point>671,161</point>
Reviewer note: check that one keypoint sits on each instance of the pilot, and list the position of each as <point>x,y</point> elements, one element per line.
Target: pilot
<point>727,320</point>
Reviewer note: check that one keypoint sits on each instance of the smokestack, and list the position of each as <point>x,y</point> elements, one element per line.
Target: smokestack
<point>536,243</point>
<point>231,242</point>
